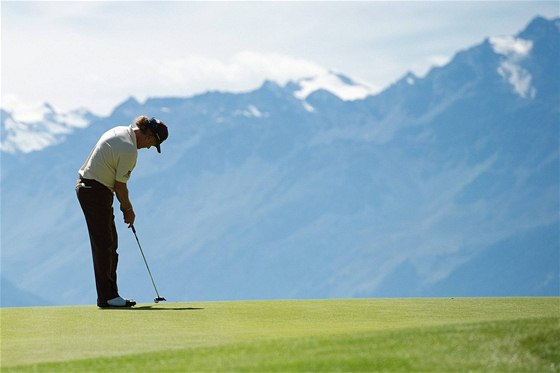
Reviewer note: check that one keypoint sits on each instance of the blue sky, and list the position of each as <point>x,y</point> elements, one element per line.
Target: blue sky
<point>96,54</point>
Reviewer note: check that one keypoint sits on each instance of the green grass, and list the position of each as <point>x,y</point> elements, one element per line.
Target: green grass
<point>463,334</point>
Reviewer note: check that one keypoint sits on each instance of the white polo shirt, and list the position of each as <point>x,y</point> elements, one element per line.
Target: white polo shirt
<point>113,158</point>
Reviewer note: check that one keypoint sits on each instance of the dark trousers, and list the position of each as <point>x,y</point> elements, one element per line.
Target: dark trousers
<point>96,201</point>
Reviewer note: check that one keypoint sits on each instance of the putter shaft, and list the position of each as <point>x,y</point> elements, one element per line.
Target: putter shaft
<point>147,267</point>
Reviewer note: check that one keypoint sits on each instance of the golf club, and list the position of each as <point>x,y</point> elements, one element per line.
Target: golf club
<point>158,298</point>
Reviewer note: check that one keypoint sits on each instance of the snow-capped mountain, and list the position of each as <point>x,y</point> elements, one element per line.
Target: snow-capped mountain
<point>39,128</point>
<point>338,84</point>
<point>442,185</point>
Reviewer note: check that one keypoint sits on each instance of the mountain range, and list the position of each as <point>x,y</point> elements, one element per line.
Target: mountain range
<point>445,185</point>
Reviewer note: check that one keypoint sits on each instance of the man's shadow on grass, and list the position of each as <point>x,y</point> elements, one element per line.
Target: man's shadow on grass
<point>154,308</point>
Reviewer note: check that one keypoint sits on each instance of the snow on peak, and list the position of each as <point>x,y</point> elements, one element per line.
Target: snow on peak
<point>514,50</point>
<point>337,84</point>
<point>410,78</point>
<point>28,112</point>
<point>32,128</point>
<point>511,46</point>
<point>250,111</point>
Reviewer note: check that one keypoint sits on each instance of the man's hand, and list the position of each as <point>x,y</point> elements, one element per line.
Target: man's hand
<point>126,207</point>
<point>129,217</point>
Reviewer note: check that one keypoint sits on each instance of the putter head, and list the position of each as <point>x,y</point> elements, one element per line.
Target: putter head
<point>159,299</point>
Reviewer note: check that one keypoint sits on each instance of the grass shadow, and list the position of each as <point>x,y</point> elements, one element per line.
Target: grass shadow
<point>156,308</point>
<point>153,308</point>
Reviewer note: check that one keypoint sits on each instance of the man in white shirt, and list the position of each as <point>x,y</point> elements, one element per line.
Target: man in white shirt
<point>106,171</point>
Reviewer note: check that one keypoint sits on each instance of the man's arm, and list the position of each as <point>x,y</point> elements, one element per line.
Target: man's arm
<point>121,192</point>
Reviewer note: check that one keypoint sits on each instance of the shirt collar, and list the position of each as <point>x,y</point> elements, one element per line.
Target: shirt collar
<point>132,135</point>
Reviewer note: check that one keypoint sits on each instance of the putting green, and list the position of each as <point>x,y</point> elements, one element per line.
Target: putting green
<point>348,335</point>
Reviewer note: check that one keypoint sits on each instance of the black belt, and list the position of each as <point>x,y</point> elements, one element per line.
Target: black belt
<point>89,183</point>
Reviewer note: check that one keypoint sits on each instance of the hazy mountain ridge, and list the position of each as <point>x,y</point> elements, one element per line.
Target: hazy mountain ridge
<point>266,194</point>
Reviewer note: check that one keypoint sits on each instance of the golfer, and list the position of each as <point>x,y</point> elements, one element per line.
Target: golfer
<point>107,171</point>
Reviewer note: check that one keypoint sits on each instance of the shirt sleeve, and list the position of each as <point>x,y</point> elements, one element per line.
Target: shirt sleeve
<point>127,162</point>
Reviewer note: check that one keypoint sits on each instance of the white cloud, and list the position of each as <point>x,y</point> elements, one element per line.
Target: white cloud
<point>243,71</point>
<point>96,54</point>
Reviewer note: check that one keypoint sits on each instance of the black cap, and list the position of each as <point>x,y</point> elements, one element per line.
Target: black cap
<point>159,130</point>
